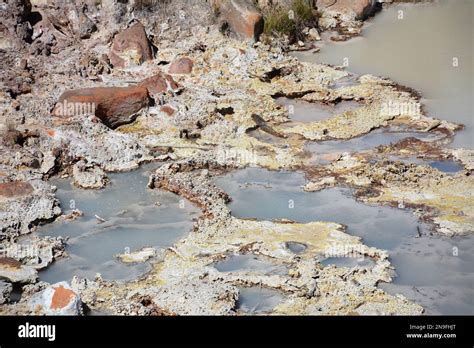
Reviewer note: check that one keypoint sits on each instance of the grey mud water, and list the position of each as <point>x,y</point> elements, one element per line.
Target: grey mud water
<point>121,218</point>
<point>428,268</point>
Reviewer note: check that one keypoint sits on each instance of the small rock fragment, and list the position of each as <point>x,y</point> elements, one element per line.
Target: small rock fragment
<point>160,83</point>
<point>130,47</point>
<point>142,255</point>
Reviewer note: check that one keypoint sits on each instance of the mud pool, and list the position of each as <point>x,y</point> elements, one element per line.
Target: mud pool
<point>257,300</point>
<point>124,217</point>
<point>434,271</point>
<point>425,49</point>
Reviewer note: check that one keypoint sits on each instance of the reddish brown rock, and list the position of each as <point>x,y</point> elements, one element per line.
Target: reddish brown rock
<point>15,189</point>
<point>362,8</point>
<point>114,106</point>
<point>160,83</point>
<point>242,16</point>
<point>130,47</point>
<point>183,65</point>
<point>62,297</point>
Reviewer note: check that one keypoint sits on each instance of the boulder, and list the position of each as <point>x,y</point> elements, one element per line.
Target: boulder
<point>130,47</point>
<point>160,83</point>
<point>114,106</point>
<point>242,17</point>
<point>57,299</point>
<point>13,271</point>
<point>183,65</point>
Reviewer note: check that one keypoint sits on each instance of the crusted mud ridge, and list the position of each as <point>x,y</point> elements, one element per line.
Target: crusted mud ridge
<point>194,99</point>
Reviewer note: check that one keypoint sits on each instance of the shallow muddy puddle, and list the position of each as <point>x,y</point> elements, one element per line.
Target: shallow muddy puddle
<point>426,46</point>
<point>447,166</point>
<point>436,272</point>
<point>303,111</point>
<point>123,217</point>
<point>250,263</point>
<point>369,141</point>
<point>257,300</point>
<point>268,195</point>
